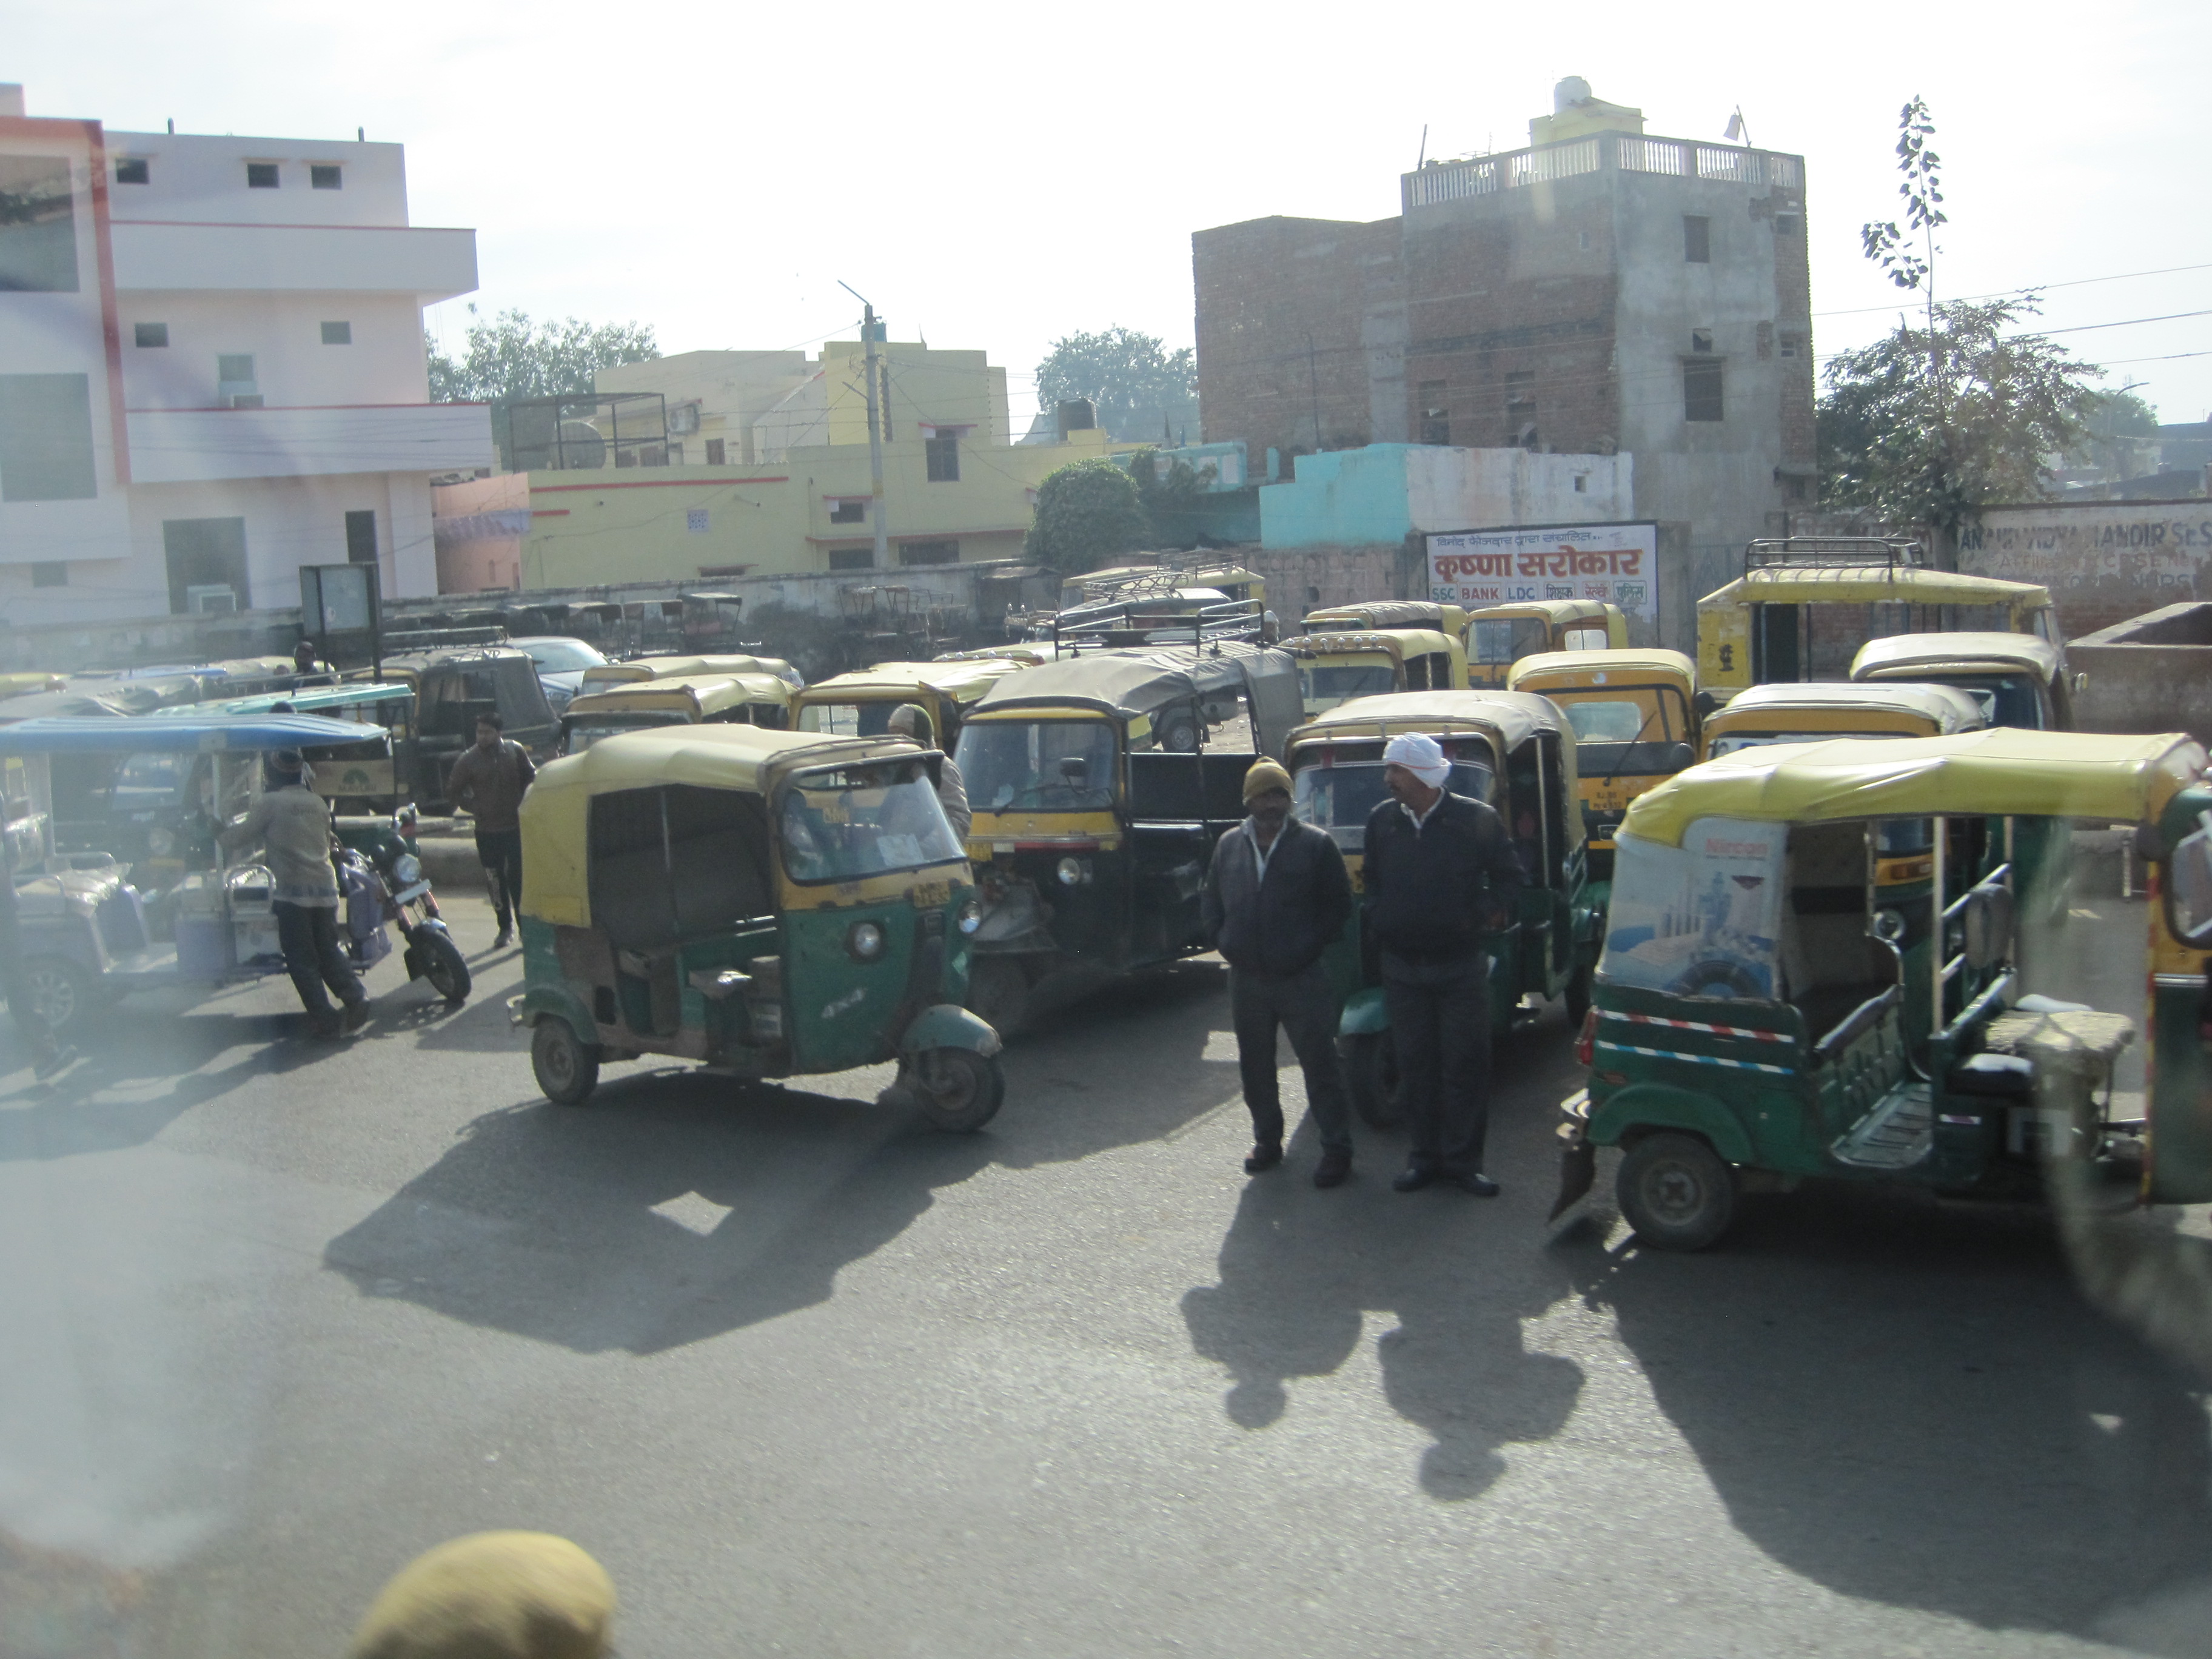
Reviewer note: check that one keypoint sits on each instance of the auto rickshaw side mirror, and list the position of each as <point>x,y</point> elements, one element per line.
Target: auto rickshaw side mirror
<point>1075,771</point>
<point>1705,703</point>
<point>1681,756</point>
<point>2187,885</point>
<point>2080,684</point>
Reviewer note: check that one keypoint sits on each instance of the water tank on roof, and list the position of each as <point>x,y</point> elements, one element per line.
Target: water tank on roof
<point>1570,91</point>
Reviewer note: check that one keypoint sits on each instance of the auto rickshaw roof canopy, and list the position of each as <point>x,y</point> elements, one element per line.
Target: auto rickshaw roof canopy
<point>633,669</point>
<point>1578,669</point>
<point>1905,655</point>
<point>1554,611</point>
<point>305,701</point>
<point>707,693</point>
<point>1397,643</point>
<point>1872,585</point>
<point>1944,706</point>
<point>2003,771</point>
<point>1130,683</point>
<point>1386,613</point>
<point>137,735</point>
<point>890,679</point>
<point>1513,716</point>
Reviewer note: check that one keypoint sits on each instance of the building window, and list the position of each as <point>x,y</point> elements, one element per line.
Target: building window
<point>261,175</point>
<point>46,438</point>
<point>338,333</point>
<point>1793,487</point>
<point>1791,345</point>
<point>1701,339</point>
<point>849,509</point>
<point>53,574</point>
<point>852,558</point>
<point>718,451</point>
<point>1785,224</point>
<point>1764,346</point>
<point>1436,419</point>
<point>325,177</point>
<point>206,556</point>
<point>38,226</point>
<point>133,170</point>
<point>234,384</point>
<point>1697,240</point>
<point>943,459</point>
<point>360,538</point>
<point>1582,483</point>
<point>150,334</point>
<point>1521,408</point>
<point>1701,390</point>
<point>929,553</point>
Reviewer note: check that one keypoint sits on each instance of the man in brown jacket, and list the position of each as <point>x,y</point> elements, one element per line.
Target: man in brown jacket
<point>489,781</point>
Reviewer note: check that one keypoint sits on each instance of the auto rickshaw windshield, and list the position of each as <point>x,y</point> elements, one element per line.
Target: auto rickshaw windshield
<point>584,730</point>
<point>2005,699</point>
<point>1509,638</point>
<point>845,823</point>
<point>1372,677</point>
<point>1052,765</point>
<point>1340,798</point>
<point>850,719</point>
<point>1730,742</point>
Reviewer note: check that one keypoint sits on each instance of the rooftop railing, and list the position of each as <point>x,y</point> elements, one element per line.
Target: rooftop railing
<point>1680,158</point>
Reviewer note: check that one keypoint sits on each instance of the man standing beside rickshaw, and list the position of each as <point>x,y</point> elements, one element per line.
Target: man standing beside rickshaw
<point>291,824</point>
<point>1276,895</point>
<point>488,781</point>
<point>1440,872</point>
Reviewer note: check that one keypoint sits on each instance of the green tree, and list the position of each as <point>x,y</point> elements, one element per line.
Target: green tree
<point>1135,387</point>
<point>1928,424</point>
<point>1088,514</point>
<point>509,359</point>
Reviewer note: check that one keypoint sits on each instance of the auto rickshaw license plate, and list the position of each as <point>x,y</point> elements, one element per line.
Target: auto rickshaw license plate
<point>929,895</point>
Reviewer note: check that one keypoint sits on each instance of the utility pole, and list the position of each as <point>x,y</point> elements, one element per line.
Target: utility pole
<point>875,432</point>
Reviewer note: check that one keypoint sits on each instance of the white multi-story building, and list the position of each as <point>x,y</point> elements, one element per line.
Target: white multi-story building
<point>212,369</point>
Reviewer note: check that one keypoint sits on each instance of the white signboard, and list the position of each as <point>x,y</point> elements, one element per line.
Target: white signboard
<point>1617,563</point>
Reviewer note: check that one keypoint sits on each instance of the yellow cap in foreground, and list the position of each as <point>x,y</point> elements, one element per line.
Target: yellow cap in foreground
<point>493,1595</point>
<point>1265,774</point>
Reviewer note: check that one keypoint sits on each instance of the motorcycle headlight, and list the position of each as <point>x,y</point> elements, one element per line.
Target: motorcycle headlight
<point>865,941</point>
<point>160,843</point>
<point>971,916</point>
<point>1070,871</point>
<point>407,869</point>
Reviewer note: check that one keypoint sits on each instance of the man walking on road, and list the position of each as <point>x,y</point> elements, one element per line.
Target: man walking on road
<point>292,824</point>
<point>1440,872</point>
<point>487,781</point>
<point>1276,897</point>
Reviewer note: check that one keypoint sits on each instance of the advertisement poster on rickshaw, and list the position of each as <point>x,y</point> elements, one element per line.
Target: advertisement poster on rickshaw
<point>1617,563</point>
<point>1703,919</point>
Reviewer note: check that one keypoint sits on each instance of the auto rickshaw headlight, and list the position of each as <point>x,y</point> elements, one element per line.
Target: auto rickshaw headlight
<point>407,869</point>
<point>865,941</point>
<point>971,916</point>
<point>160,843</point>
<point>1889,925</point>
<point>1070,871</point>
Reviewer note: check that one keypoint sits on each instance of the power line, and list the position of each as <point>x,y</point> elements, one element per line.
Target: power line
<point>2036,288</point>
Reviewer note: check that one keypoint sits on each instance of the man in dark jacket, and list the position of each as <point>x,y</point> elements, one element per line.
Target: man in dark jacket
<point>1440,872</point>
<point>1276,897</point>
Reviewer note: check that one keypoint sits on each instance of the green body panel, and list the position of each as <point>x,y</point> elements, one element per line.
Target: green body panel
<point>2180,1083</point>
<point>1663,1106</point>
<point>946,1026</point>
<point>1365,1013</point>
<point>839,1012</point>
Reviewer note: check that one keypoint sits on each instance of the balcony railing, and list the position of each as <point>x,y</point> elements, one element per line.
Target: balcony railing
<point>1488,175</point>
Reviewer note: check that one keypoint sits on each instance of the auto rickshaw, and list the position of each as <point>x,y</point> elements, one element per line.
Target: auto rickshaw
<point>680,699</point>
<point>2017,678</point>
<point>89,934</point>
<point>371,786</point>
<point>1510,749</point>
<point>452,688</point>
<point>1238,585</point>
<point>23,685</point>
<point>1389,613</point>
<point>1335,667</point>
<point>1813,711</point>
<point>1775,1003</point>
<point>861,704</point>
<point>600,676</point>
<point>770,903</point>
<point>1099,785</point>
<point>1636,718</point>
<point>1803,606</point>
<point>1499,636</point>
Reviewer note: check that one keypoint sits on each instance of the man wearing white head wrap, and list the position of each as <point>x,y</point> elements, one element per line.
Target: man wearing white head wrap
<point>1440,875</point>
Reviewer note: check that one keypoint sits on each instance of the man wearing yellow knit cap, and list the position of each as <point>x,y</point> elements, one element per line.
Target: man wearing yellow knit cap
<point>1276,897</point>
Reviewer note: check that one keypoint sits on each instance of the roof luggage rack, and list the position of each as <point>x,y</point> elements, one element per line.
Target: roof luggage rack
<point>1833,553</point>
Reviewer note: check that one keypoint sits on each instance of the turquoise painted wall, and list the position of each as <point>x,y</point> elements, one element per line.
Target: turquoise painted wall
<point>1344,498</point>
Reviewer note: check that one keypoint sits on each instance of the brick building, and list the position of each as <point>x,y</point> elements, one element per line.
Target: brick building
<point>1601,291</point>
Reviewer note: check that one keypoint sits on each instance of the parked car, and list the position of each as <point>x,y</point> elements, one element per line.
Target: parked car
<point>560,662</point>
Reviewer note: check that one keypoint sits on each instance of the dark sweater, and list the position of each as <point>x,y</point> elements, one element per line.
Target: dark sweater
<point>1434,892</point>
<point>1276,925</point>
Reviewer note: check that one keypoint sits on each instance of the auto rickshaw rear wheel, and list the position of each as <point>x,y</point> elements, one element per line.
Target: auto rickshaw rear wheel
<point>567,1068</point>
<point>62,991</point>
<point>446,968</point>
<point>1676,1192</point>
<point>960,1090</point>
<point>1370,1066</point>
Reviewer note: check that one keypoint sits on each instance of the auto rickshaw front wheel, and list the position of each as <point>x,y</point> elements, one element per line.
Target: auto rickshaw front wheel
<point>959,1090</point>
<point>1676,1192</point>
<point>1371,1067</point>
<point>567,1068</point>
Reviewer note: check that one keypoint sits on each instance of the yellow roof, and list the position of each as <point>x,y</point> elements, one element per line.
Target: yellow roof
<point>1552,610</point>
<point>1944,706</point>
<point>1401,643</point>
<point>1872,585</point>
<point>2001,772</point>
<point>1512,715</point>
<point>887,680</point>
<point>703,692</point>
<point>1904,655</point>
<point>1576,670</point>
<point>663,668</point>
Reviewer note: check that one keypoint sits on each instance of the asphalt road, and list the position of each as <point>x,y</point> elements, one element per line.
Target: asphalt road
<point>811,1379</point>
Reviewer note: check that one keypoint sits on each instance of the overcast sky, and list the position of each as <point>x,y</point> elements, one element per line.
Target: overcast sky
<point>995,175</point>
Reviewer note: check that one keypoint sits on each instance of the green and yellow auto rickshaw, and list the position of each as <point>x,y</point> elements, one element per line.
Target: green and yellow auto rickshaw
<point>1636,719</point>
<point>1336,666</point>
<point>1810,970</point>
<point>679,699</point>
<point>1499,635</point>
<point>768,903</point>
<point>1099,785</point>
<point>2016,678</point>
<point>1510,749</point>
<point>861,704</point>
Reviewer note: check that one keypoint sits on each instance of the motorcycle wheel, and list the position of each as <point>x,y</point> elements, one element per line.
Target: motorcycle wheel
<point>445,967</point>
<point>960,1091</point>
<point>1371,1067</point>
<point>567,1069</point>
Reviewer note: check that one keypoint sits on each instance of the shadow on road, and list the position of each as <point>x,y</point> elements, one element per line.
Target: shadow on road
<point>1910,1403</point>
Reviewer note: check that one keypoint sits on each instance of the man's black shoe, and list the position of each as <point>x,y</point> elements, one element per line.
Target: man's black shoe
<point>1261,1159</point>
<point>1335,1166</point>
<point>1478,1183</point>
<point>505,938</point>
<point>354,1017</point>
<point>1413,1177</point>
